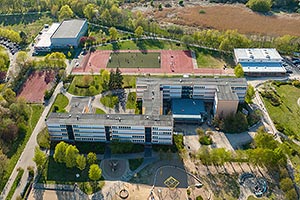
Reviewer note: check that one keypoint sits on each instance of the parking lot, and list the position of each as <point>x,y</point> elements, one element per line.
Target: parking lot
<point>12,46</point>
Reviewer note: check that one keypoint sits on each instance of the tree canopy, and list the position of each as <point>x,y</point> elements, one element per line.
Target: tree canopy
<point>65,12</point>
<point>260,5</point>
<point>39,158</point>
<point>238,71</point>
<point>95,172</point>
<point>60,152</point>
<point>71,156</point>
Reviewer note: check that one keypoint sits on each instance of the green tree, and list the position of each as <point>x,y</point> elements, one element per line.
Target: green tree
<point>238,71</point>
<point>81,162</point>
<point>9,95</point>
<point>249,94</point>
<point>287,44</point>
<point>187,39</point>
<point>21,58</point>
<point>291,194</point>
<point>286,184</point>
<point>60,152</point>
<point>39,158</point>
<point>113,33</point>
<point>204,155</point>
<point>139,31</point>
<point>90,11</point>
<point>65,12</point>
<point>95,172</point>
<point>71,156</point>
<point>43,139</point>
<point>118,78</point>
<point>265,140</point>
<point>260,5</point>
<point>91,158</point>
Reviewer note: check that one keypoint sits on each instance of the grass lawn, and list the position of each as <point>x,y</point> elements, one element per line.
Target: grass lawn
<point>131,101</point>
<point>86,85</point>
<point>99,111</point>
<point>287,114</point>
<point>205,58</point>
<point>58,173</point>
<point>208,61</point>
<point>129,81</point>
<point>109,101</point>
<point>19,145</point>
<point>135,163</point>
<point>134,60</point>
<point>61,101</point>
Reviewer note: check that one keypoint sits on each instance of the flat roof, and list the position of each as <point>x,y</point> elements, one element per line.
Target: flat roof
<point>44,40</point>
<point>257,54</point>
<point>191,81</point>
<point>152,100</point>
<point>110,119</point>
<point>224,93</point>
<point>184,107</point>
<point>69,28</point>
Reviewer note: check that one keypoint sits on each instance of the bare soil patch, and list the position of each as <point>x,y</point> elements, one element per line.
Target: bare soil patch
<point>237,16</point>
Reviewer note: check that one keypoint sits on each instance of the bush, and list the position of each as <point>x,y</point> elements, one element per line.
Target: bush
<point>286,184</point>
<point>199,198</point>
<point>178,141</point>
<point>296,83</point>
<point>260,5</point>
<point>180,2</point>
<point>205,140</point>
<point>202,12</point>
<point>43,139</point>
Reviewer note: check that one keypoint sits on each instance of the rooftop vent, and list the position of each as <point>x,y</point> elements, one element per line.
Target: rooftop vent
<point>77,117</point>
<point>107,116</point>
<point>180,80</point>
<point>147,117</point>
<point>251,56</point>
<point>268,56</point>
<point>70,115</point>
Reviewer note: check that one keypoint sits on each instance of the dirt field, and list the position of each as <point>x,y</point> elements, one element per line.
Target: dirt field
<point>237,16</point>
<point>37,83</point>
<point>172,62</point>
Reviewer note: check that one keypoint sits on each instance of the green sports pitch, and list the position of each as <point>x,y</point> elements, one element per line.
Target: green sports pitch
<point>134,60</point>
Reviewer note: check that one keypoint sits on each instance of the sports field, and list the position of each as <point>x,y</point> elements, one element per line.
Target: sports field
<point>134,60</point>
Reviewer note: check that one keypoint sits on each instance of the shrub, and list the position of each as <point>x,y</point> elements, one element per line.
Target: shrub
<point>180,2</point>
<point>199,198</point>
<point>202,12</point>
<point>296,83</point>
<point>205,140</point>
<point>260,5</point>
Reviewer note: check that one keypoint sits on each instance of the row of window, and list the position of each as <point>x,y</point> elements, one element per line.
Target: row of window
<point>161,129</point>
<point>161,133</point>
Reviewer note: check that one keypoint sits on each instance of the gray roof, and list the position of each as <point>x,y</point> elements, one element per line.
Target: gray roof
<point>69,28</point>
<point>257,54</point>
<point>224,93</point>
<point>191,81</point>
<point>110,119</point>
<point>152,100</point>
